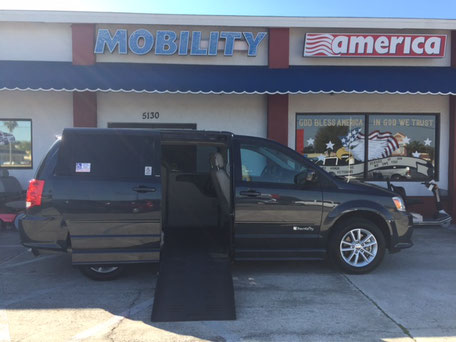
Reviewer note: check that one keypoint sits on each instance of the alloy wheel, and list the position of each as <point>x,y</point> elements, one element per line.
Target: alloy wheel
<point>358,247</point>
<point>104,269</point>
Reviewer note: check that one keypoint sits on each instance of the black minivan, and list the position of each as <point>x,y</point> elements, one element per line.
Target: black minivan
<point>115,196</point>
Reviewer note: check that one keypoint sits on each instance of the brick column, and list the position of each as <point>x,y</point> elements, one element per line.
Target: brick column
<point>84,103</point>
<point>279,58</point>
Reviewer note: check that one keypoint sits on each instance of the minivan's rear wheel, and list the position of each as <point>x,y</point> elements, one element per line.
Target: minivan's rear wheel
<point>358,246</point>
<point>102,272</point>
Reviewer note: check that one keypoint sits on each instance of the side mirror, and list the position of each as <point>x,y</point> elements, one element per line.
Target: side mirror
<point>309,176</point>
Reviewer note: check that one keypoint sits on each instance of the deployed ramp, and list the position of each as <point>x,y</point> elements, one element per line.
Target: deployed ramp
<point>194,282</point>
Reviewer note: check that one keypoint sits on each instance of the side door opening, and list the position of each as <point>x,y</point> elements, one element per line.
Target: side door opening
<point>195,281</point>
<point>196,197</point>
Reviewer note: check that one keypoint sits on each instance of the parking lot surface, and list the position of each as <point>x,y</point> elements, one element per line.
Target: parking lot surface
<point>410,297</point>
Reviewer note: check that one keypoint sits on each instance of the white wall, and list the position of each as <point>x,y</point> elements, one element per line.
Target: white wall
<point>35,42</point>
<point>50,112</point>
<point>238,58</point>
<point>370,103</point>
<point>297,36</point>
<point>242,114</point>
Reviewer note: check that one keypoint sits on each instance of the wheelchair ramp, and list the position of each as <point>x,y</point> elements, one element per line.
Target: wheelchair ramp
<point>193,285</point>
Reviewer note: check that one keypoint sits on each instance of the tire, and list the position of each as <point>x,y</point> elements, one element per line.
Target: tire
<point>101,273</point>
<point>357,258</point>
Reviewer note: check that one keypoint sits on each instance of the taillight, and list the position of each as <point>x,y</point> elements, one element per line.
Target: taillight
<point>34,192</point>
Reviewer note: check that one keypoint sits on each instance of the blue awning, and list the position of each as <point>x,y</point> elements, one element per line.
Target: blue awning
<point>203,79</point>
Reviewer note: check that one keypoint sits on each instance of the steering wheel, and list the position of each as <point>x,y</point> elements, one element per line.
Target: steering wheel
<point>271,170</point>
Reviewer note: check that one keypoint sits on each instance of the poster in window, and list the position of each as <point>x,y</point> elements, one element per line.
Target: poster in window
<point>15,143</point>
<point>409,145</point>
<point>400,147</point>
<point>330,140</point>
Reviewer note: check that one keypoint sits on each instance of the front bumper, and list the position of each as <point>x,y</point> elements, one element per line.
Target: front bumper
<point>402,231</point>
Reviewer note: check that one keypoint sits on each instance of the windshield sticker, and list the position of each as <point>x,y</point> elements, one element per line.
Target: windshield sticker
<point>148,171</point>
<point>82,167</point>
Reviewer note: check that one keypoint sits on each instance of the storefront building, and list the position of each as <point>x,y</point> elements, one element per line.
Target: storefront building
<point>373,99</point>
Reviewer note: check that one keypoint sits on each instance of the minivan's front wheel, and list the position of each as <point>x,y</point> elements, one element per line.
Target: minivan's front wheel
<point>102,272</point>
<point>358,246</point>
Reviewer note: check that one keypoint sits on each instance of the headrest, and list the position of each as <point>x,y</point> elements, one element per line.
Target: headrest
<point>4,173</point>
<point>217,161</point>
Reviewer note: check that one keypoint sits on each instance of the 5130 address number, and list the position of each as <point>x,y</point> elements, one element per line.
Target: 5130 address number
<point>150,115</point>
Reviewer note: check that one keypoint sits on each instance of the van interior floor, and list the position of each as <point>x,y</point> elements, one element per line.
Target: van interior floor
<point>194,281</point>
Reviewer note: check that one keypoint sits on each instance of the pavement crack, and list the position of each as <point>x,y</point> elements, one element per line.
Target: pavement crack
<point>399,325</point>
<point>132,304</point>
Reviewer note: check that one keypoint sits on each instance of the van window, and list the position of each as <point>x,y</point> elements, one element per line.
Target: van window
<point>107,156</point>
<point>266,164</point>
<point>189,158</point>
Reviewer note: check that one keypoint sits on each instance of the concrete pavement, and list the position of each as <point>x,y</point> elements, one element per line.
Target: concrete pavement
<point>410,297</point>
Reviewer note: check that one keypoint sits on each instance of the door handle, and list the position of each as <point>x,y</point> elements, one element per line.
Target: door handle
<point>250,193</point>
<point>143,189</point>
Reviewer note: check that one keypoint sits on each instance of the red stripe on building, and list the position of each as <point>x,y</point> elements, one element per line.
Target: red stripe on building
<point>84,109</point>
<point>278,118</point>
<point>279,48</point>
<point>279,58</point>
<point>300,140</point>
<point>85,103</point>
<point>83,42</point>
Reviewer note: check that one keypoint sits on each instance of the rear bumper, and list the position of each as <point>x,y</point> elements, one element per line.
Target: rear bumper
<point>35,233</point>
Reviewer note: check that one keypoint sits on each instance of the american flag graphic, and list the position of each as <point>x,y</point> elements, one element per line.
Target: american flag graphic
<point>381,145</point>
<point>319,45</point>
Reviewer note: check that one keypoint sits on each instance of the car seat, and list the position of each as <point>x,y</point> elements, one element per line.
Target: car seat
<point>221,181</point>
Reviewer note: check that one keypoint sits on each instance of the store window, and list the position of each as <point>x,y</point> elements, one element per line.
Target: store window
<point>399,147</point>
<point>16,143</point>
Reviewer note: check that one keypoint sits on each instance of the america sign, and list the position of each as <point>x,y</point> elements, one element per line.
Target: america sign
<point>374,45</point>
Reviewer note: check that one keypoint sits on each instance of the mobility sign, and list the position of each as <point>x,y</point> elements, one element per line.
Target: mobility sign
<point>183,43</point>
<point>374,45</point>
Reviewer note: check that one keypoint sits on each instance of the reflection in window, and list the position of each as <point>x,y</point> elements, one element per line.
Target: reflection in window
<point>399,146</point>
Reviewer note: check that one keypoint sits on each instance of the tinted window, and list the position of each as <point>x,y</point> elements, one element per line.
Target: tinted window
<point>189,158</point>
<point>267,164</point>
<point>107,156</point>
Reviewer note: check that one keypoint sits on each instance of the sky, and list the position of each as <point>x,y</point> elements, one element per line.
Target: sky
<point>432,9</point>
